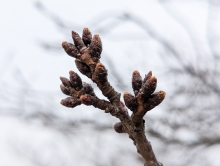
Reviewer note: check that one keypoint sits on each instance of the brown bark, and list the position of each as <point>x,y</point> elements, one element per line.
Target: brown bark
<point>87,51</point>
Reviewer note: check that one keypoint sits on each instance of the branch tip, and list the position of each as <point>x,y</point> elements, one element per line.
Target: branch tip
<point>86,36</point>
<point>96,47</point>
<point>149,86</point>
<point>136,81</point>
<point>147,76</point>
<point>101,73</point>
<point>64,90</point>
<point>70,102</point>
<point>87,51</point>
<point>75,80</point>
<point>64,43</point>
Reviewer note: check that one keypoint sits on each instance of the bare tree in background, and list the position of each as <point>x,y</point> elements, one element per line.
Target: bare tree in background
<point>192,102</point>
<point>196,83</point>
<point>87,51</point>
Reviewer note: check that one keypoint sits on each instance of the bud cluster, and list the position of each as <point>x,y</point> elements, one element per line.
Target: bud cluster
<point>87,51</point>
<point>79,91</point>
<point>145,99</point>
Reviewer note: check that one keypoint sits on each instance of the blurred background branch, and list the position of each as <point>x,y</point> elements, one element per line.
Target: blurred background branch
<point>167,41</point>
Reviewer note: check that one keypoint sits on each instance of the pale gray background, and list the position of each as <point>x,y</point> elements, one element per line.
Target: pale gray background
<point>137,35</point>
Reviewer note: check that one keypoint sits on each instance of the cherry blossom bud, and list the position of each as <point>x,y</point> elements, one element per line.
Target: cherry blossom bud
<point>101,73</point>
<point>87,36</point>
<point>77,40</point>
<point>75,80</point>
<point>64,89</point>
<point>130,101</point>
<point>71,49</point>
<point>136,81</point>
<point>96,47</point>
<point>70,102</point>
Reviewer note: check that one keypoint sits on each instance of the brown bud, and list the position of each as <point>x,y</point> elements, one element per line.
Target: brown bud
<point>154,100</point>
<point>136,81</point>
<point>96,47</point>
<point>130,101</point>
<point>70,49</point>
<point>86,36</point>
<point>75,80</point>
<point>87,99</point>
<point>65,82</point>
<point>64,90</point>
<point>147,76</point>
<point>149,86</point>
<point>119,127</point>
<point>88,89</point>
<point>101,73</point>
<point>77,40</point>
<point>70,102</point>
<point>83,68</point>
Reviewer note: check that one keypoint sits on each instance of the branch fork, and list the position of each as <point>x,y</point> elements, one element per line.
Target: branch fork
<point>87,54</point>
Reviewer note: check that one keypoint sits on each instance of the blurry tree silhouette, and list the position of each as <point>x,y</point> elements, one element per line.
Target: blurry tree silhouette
<point>190,121</point>
<point>192,108</point>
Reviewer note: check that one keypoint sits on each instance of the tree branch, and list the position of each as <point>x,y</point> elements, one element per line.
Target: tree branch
<point>87,51</point>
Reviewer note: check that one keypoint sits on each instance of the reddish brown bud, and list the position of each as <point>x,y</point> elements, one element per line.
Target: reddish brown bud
<point>87,99</point>
<point>75,80</point>
<point>70,49</point>
<point>96,47</point>
<point>86,36</point>
<point>88,89</point>
<point>130,101</point>
<point>154,100</point>
<point>77,40</point>
<point>119,127</point>
<point>83,68</point>
<point>101,73</point>
<point>147,76</point>
<point>64,90</point>
<point>70,102</point>
<point>65,82</point>
<point>149,86</point>
<point>136,81</point>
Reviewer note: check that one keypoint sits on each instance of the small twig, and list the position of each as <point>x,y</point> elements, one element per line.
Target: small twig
<point>87,51</point>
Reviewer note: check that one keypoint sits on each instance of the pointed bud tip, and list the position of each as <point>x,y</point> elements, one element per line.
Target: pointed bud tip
<point>71,72</point>
<point>99,64</point>
<point>62,78</point>
<point>162,93</point>
<point>126,93</point>
<point>86,29</point>
<point>153,79</point>
<point>64,43</point>
<point>61,102</point>
<point>96,37</point>
<point>74,34</point>
<point>136,74</point>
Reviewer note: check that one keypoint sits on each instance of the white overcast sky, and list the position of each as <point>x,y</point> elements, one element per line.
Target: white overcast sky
<point>23,27</point>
